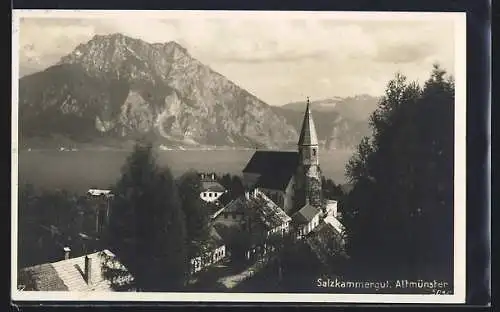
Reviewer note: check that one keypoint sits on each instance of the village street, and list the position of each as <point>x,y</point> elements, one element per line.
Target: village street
<point>226,275</point>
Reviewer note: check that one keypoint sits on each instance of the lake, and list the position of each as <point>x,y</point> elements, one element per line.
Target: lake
<point>80,170</point>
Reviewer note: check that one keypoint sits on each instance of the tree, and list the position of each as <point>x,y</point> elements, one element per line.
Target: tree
<point>147,225</point>
<point>237,187</point>
<point>400,211</point>
<point>196,212</point>
<point>331,190</point>
<point>281,247</point>
<point>226,181</point>
<point>233,183</point>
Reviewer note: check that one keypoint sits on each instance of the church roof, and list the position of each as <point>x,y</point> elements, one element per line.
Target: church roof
<point>276,168</point>
<point>274,182</point>
<point>308,134</point>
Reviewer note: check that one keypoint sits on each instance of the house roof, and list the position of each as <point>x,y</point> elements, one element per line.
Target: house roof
<point>305,214</point>
<point>212,186</point>
<point>269,213</point>
<point>308,134</point>
<point>41,277</point>
<point>237,206</point>
<point>275,168</point>
<point>69,274</point>
<point>322,239</point>
<point>334,223</point>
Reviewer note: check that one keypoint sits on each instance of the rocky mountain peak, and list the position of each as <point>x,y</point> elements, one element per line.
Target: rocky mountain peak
<point>122,85</point>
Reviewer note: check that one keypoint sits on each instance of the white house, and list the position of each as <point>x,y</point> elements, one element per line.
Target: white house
<point>212,256</point>
<point>306,219</point>
<point>211,188</point>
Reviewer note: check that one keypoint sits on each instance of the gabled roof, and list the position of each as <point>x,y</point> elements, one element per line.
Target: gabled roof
<point>305,214</point>
<point>212,186</point>
<point>42,277</point>
<point>270,214</point>
<point>308,134</point>
<point>69,274</point>
<point>334,223</point>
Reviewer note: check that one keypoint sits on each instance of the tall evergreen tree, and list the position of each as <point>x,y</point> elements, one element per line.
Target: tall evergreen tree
<point>196,212</point>
<point>400,211</point>
<point>147,226</point>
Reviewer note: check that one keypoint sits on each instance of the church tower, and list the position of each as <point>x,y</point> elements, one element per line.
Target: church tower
<point>309,173</point>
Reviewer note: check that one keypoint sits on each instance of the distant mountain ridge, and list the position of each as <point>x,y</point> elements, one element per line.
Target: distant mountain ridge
<point>340,122</point>
<point>115,88</point>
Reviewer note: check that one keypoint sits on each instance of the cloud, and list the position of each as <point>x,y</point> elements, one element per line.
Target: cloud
<point>277,59</point>
<point>404,53</point>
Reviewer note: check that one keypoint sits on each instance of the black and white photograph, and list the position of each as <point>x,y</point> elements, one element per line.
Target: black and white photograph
<point>238,156</point>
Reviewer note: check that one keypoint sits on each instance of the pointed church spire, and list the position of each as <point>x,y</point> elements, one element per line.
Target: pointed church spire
<point>308,134</point>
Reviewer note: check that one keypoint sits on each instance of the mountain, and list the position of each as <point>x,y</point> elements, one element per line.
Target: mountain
<point>324,105</point>
<point>115,88</point>
<point>340,122</point>
<point>357,107</point>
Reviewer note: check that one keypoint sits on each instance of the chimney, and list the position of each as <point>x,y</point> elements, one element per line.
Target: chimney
<point>88,270</point>
<point>66,252</point>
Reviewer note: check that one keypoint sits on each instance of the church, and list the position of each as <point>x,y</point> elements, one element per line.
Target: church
<point>291,179</point>
<point>289,184</point>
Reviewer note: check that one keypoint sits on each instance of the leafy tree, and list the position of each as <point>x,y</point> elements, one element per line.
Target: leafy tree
<point>281,249</point>
<point>237,187</point>
<point>331,190</point>
<point>226,181</point>
<point>233,183</point>
<point>400,211</point>
<point>196,212</point>
<point>147,225</point>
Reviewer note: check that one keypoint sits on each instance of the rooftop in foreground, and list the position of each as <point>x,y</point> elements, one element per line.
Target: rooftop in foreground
<point>69,275</point>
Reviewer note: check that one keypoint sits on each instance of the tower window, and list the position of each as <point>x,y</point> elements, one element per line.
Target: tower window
<point>314,152</point>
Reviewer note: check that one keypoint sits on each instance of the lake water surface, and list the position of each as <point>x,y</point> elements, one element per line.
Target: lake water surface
<point>80,170</point>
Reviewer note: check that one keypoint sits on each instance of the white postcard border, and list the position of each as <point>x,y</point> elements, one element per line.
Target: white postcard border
<point>460,166</point>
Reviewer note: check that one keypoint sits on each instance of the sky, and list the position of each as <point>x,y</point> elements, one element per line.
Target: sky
<point>280,58</point>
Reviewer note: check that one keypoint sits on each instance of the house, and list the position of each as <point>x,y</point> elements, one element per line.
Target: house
<point>306,219</point>
<point>327,240</point>
<point>83,273</point>
<point>211,189</point>
<point>215,253</point>
<point>265,214</point>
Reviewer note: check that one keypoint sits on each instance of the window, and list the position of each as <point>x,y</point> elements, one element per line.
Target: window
<point>314,152</point>
<point>209,194</point>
